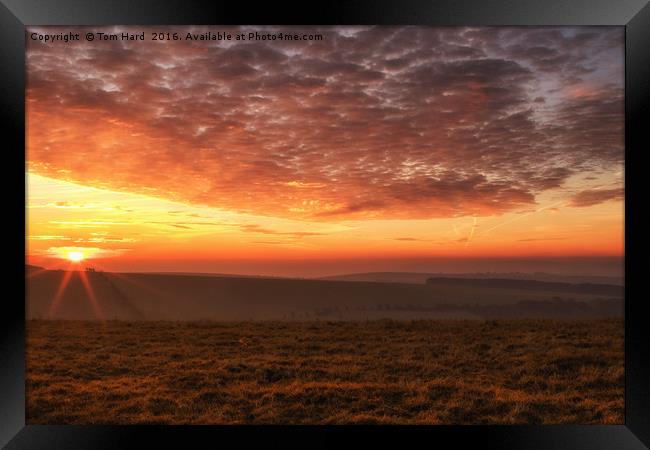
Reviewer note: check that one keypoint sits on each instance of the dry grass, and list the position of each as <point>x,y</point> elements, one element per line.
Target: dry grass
<point>421,372</point>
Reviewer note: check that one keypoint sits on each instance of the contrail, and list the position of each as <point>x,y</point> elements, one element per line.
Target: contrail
<point>563,202</point>
<point>471,233</point>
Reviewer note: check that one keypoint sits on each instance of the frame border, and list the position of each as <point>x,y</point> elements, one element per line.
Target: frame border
<point>634,15</point>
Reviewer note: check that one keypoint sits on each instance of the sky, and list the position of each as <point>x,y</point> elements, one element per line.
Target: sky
<point>375,148</point>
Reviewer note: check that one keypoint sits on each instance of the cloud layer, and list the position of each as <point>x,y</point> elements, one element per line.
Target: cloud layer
<point>377,122</point>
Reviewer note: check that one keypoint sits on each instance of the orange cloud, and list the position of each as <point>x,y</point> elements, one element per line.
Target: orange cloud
<point>369,123</point>
<point>592,197</point>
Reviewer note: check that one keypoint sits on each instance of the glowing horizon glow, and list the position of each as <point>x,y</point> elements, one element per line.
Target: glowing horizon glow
<point>130,232</point>
<point>75,256</point>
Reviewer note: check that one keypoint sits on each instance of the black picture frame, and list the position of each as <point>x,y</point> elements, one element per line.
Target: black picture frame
<point>634,15</point>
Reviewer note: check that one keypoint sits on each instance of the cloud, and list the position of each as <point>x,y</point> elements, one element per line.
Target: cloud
<point>412,239</point>
<point>94,252</point>
<point>185,225</point>
<point>346,210</point>
<point>592,197</point>
<point>370,122</point>
<point>48,238</point>
<point>253,228</point>
<point>542,239</point>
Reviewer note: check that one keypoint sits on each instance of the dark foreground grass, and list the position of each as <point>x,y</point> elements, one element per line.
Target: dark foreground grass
<point>421,372</point>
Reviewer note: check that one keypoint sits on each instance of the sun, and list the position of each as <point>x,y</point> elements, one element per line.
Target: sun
<point>75,256</point>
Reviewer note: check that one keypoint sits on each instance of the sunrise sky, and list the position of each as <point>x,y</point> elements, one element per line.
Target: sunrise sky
<point>377,148</point>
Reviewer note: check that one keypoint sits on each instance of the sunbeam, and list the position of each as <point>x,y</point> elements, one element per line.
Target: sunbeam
<point>67,274</point>
<point>91,295</point>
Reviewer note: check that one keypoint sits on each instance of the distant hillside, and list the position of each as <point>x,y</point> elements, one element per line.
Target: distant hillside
<point>208,274</point>
<point>89,295</point>
<point>419,278</point>
<point>530,285</point>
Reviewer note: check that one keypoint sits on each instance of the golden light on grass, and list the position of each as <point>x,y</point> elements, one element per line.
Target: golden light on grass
<point>561,372</point>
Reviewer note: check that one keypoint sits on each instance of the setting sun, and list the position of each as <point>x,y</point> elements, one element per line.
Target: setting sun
<point>75,256</point>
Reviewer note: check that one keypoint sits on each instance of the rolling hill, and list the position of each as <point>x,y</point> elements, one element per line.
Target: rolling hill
<point>421,277</point>
<point>141,296</point>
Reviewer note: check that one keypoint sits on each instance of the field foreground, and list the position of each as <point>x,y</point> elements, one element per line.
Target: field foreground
<point>419,372</point>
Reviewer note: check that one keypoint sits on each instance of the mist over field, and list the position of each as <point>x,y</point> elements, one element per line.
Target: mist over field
<point>89,295</point>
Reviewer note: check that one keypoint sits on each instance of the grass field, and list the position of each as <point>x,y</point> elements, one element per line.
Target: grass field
<point>420,372</point>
